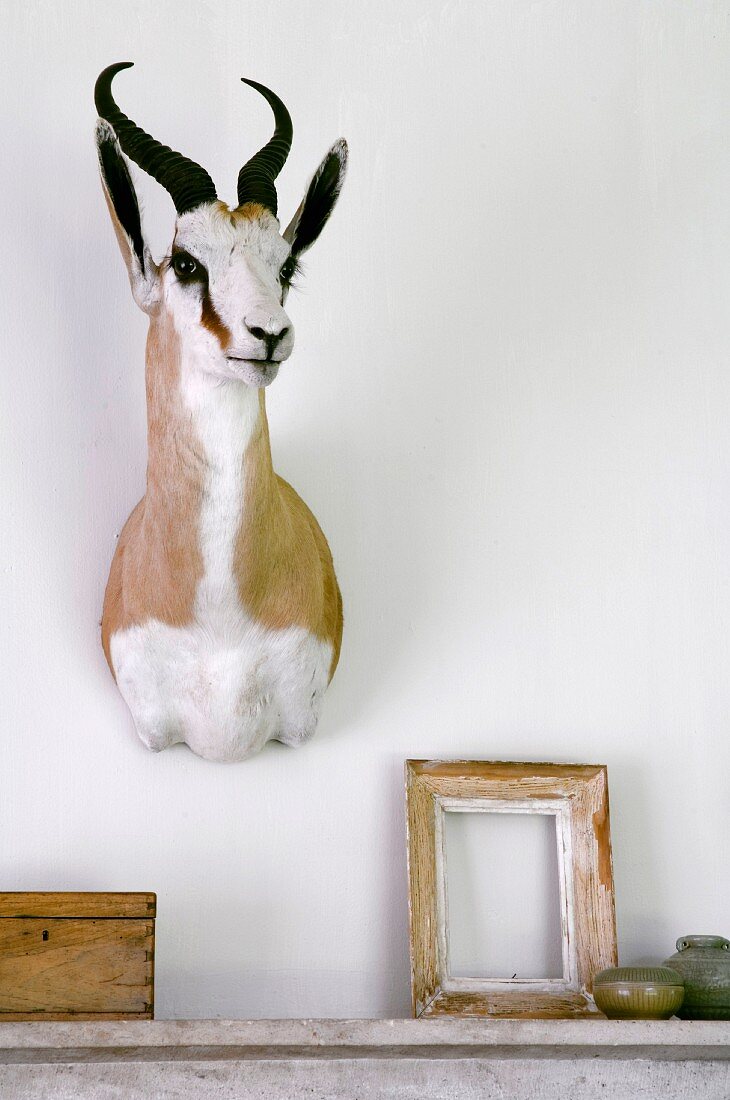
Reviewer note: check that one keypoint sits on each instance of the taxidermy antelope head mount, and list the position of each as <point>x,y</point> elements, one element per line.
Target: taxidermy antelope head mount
<point>222,617</point>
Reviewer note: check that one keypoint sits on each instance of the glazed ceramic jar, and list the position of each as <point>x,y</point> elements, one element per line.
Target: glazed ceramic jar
<point>704,963</point>
<point>638,992</point>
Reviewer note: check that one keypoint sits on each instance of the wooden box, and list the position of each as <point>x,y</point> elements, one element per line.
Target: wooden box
<point>77,956</point>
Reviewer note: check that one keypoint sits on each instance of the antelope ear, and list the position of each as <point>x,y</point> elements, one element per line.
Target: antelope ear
<point>121,198</point>
<point>318,203</point>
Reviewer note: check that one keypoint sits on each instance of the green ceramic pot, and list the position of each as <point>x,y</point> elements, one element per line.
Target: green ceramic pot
<point>704,963</point>
<point>638,992</point>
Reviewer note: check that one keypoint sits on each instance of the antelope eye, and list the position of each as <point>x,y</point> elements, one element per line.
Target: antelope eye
<point>288,268</point>
<point>184,266</point>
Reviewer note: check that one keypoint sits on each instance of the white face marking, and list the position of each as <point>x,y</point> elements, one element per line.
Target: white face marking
<point>241,258</point>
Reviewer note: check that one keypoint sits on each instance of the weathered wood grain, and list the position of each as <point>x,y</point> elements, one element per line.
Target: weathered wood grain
<point>579,796</point>
<point>62,965</point>
<point>74,904</point>
<point>76,956</point>
<point>422,893</point>
<point>510,1005</point>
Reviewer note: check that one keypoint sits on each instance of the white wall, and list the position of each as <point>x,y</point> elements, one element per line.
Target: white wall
<point>508,407</point>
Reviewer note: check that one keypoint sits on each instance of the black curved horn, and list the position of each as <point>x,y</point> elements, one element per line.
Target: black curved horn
<point>256,178</point>
<point>189,185</point>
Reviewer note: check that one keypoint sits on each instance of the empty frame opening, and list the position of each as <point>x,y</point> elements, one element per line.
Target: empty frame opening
<point>503,895</point>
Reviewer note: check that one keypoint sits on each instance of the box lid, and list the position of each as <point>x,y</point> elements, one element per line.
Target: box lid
<point>77,905</point>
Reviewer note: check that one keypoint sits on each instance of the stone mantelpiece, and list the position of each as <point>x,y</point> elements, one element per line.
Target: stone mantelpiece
<point>406,1059</point>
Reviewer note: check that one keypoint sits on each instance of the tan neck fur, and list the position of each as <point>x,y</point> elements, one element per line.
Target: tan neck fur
<point>279,559</point>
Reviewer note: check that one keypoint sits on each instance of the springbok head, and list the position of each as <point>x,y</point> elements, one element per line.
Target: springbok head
<point>226,277</point>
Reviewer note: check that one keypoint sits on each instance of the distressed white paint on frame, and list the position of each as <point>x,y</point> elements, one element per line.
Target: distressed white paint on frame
<point>591,935</point>
<point>559,808</point>
<point>504,917</point>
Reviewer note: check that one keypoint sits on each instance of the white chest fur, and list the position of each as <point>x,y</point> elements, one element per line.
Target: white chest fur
<point>224,684</point>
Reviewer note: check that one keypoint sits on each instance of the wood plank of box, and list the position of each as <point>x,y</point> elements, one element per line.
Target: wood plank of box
<point>77,956</point>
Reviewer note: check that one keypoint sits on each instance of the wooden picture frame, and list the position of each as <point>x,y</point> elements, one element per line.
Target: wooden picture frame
<point>577,795</point>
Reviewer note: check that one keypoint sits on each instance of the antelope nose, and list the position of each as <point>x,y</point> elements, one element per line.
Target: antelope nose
<point>270,337</point>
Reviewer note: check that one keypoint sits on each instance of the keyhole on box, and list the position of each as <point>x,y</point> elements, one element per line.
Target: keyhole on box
<point>44,934</point>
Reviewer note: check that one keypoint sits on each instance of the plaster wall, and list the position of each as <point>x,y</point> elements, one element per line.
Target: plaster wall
<point>508,407</point>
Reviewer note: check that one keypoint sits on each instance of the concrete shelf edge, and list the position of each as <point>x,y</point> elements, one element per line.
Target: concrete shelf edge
<point>244,1040</point>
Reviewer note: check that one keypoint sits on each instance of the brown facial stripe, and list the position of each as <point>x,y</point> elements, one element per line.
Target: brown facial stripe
<point>210,318</point>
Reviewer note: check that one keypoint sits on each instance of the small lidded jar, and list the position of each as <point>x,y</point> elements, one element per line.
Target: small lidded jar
<point>704,963</point>
<point>638,992</point>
